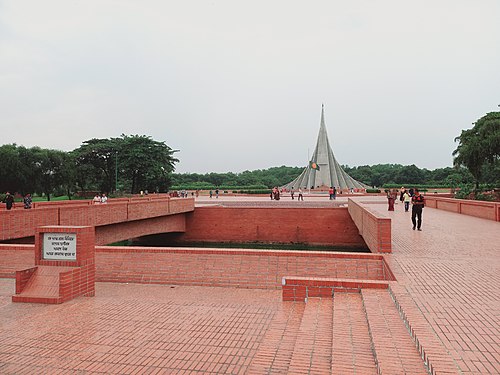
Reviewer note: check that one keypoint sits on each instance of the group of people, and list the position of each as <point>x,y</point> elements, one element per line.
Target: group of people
<point>216,193</point>
<point>98,199</point>
<point>300,196</point>
<point>9,201</point>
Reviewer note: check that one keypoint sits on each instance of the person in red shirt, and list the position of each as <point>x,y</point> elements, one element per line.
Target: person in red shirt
<point>418,203</point>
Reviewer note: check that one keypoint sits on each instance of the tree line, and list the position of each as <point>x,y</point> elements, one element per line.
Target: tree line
<point>128,164</point>
<point>131,163</point>
<point>379,175</point>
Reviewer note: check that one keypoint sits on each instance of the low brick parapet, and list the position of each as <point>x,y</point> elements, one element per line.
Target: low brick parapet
<point>301,288</point>
<point>482,209</point>
<point>373,227</point>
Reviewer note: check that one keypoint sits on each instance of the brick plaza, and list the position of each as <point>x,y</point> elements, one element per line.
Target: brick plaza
<point>446,288</point>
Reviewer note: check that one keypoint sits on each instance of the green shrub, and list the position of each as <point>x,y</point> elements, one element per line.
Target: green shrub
<point>373,191</point>
<point>256,191</point>
<point>213,187</point>
<point>420,187</point>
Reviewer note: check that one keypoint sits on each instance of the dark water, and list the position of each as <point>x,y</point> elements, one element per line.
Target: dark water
<point>163,240</point>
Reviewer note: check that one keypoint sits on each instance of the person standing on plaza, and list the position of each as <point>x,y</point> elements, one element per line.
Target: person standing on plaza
<point>401,193</point>
<point>418,203</point>
<point>27,201</point>
<point>97,199</point>
<point>292,192</point>
<point>104,198</point>
<point>8,200</point>
<point>301,197</point>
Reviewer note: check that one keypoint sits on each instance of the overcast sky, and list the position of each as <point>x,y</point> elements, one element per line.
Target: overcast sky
<point>238,85</point>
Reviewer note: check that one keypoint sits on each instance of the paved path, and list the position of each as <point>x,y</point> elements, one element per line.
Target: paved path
<point>451,270</point>
<point>448,286</point>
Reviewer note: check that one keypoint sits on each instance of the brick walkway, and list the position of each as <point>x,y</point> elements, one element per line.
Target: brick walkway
<point>449,278</point>
<point>447,290</point>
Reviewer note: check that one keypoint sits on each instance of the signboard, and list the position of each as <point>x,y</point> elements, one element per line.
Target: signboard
<point>59,246</point>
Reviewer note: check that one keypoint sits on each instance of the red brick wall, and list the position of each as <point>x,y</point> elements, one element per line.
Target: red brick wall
<point>22,278</point>
<point>215,267</point>
<point>323,226</point>
<point>77,282</point>
<point>300,288</point>
<point>22,223</point>
<point>374,228</point>
<point>230,268</point>
<point>15,257</point>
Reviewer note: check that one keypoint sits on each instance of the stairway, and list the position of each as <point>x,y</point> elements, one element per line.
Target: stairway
<point>43,286</point>
<point>352,352</point>
<point>353,333</point>
<point>276,350</point>
<point>313,350</point>
<point>394,349</point>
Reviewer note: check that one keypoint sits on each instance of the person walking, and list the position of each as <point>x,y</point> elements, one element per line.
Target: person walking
<point>406,200</point>
<point>390,200</point>
<point>8,200</point>
<point>418,203</point>
<point>301,197</point>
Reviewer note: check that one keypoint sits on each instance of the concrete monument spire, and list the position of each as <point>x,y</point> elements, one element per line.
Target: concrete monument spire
<point>323,170</point>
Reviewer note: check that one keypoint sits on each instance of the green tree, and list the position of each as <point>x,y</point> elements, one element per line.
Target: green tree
<point>479,146</point>
<point>147,164</point>
<point>96,162</point>
<point>10,177</point>
<point>49,170</point>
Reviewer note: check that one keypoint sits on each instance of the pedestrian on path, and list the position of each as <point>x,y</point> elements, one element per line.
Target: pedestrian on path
<point>390,200</point>
<point>301,197</point>
<point>418,203</point>
<point>406,200</point>
<point>8,200</point>
<point>27,201</point>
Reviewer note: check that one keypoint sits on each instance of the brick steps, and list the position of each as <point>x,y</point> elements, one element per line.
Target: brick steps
<point>313,349</point>
<point>43,286</point>
<point>276,350</point>
<point>394,349</point>
<point>352,352</point>
<point>426,340</point>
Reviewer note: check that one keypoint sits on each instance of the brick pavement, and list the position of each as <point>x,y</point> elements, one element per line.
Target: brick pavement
<point>449,279</point>
<point>447,291</point>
